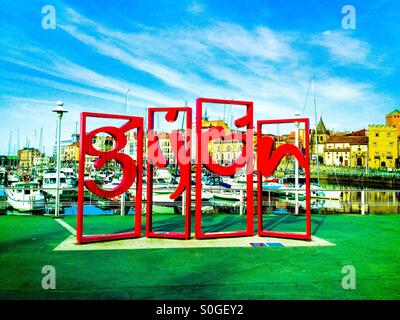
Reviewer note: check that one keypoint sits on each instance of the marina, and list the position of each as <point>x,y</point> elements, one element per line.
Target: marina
<point>212,151</point>
<point>27,197</point>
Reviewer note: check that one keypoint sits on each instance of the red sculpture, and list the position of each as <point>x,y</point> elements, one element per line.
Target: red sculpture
<point>268,160</point>
<point>181,149</point>
<point>131,171</point>
<point>246,158</point>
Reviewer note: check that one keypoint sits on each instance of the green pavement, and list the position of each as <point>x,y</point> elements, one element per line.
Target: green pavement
<point>370,243</point>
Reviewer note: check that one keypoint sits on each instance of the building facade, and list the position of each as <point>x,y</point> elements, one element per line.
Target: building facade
<point>29,157</point>
<point>393,119</point>
<point>9,162</point>
<point>318,140</point>
<point>347,151</point>
<point>383,149</point>
<point>70,153</point>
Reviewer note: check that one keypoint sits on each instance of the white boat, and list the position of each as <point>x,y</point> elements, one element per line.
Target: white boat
<point>70,177</point>
<point>111,185</point>
<point>228,195</point>
<point>315,203</point>
<point>205,196</point>
<point>13,178</point>
<point>162,174</point>
<point>163,196</point>
<point>25,196</point>
<point>160,183</point>
<point>50,183</point>
<point>321,193</point>
<point>221,190</point>
<point>273,186</point>
<point>316,192</point>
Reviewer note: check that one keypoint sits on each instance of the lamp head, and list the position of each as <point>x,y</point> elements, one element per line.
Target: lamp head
<point>59,109</point>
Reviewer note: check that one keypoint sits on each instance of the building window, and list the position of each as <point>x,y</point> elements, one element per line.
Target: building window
<point>131,148</point>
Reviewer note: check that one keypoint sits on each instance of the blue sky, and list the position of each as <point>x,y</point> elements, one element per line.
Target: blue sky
<point>169,52</point>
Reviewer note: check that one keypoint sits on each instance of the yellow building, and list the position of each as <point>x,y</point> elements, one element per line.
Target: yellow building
<point>166,147</point>
<point>225,152</point>
<point>359,152</point>
<point>214,123</point>
<point>71,153</point>
<point>29,157</point>
<point>102,143</point>
<point>222,151</point>
<point>382,147</point>
<point>393,119</point>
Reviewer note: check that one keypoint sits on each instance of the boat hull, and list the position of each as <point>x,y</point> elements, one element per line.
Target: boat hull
<point>29,204</point>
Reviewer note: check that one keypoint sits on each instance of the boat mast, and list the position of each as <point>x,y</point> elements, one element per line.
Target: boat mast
<point>316,128</point>
<point>9,144</point>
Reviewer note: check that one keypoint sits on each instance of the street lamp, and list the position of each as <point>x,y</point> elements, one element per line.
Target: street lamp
<point>60,111</point>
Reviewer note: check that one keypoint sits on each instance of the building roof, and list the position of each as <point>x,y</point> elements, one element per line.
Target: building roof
<point>321,126</point>
<point>396,111</point>
<point>359,133</point>
<point>348,139</point>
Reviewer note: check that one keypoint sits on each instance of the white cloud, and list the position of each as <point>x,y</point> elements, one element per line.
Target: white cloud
<point>261,42</point>
<point>219,59</point>
<point>196,8</point>
<point>227,60</point>
<point>345,49</point>
<point>103,87</point>
<point>338,89</point>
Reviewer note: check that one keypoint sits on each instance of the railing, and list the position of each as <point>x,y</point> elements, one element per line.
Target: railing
<point>357,201</point>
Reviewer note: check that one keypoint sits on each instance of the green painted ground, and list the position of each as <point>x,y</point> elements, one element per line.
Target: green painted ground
<point>370,243</point>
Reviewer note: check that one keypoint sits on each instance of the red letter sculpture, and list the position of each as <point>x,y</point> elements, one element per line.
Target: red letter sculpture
<point>268,160</point>
<point>181,149</point>
<point>131,170</point>
<point>204,159</point>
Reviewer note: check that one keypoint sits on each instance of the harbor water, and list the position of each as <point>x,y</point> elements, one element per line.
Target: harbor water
<point>351,201</point>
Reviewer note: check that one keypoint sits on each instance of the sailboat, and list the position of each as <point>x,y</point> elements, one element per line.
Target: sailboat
<point>317,191</point>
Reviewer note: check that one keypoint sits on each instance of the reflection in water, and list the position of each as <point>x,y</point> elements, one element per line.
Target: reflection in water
<point>373,202</point>
<point>351,201</point>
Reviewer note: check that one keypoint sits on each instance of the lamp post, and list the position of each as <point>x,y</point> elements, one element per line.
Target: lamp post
<point>60,111</point>
<point>296,165</point>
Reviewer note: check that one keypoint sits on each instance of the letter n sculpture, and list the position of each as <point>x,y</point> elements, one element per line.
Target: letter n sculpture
<point>268,159</point>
